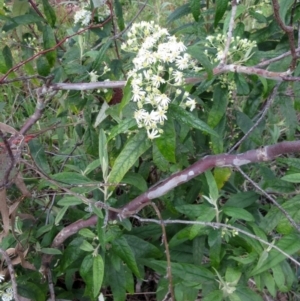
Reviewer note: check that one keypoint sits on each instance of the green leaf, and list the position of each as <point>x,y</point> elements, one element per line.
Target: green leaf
<point>221,7</point>
<point>184,271</point>
<point>166,143</point>
<point>238,213</point>
<point>49,42</point>
<point>136,180</point>
<point>117,283</point>
<point>21,20</point>
<point>214,296</point>
<point>142,248</point>
<point>135,147</point>
<point>242,199</point>
<point>121,247</point>
<point>98,273</point>
<point>38,155</point>
<point>92,166</point>
<point>51,251</point>
<point>122,127</point>
<point>69,201</point>
<point>49,13</point>
<point>43,66</point>
<point>290,244</point>
<point>245,123</point>
<point>293,178</point>
<point>119,14</point>
<point>127,94</point>
<point>195,9</point>
<point>220,101</point>
<point>86,272</point>
<point>7,57</point>
<point>247,294</point>
<point>103,154</point>
<point>213,188</point>
<point>284,6</point>
<point>61,213</point>
<point>87,233</point>
<point>72,178</point>
<point>181,115</point>
<point>179,12</point>
<point>101,55</point>
<point>159,160</point>
<point>241,84</point>
<point>31,291</point>
<point>196,52</point>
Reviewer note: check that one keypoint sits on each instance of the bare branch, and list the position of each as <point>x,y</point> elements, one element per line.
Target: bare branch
<point>11,273</point>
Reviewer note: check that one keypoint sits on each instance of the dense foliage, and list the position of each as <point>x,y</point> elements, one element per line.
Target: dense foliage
<point>149,150</point>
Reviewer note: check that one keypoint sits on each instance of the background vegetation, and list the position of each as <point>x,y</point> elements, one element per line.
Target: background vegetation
<point>92,208</point>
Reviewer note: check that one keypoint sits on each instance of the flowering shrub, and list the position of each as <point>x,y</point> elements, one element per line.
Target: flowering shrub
<point>159,65</point>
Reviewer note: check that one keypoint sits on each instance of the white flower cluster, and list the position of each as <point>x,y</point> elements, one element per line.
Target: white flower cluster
<point>160,60</point>
<point>84,15</point>
<point>239,51</point>
<point>8,295</point>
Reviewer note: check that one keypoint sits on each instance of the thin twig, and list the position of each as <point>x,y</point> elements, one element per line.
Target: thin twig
<point>11,273</point>
<point>286,214</point>
<point>229,33</point>
<point>263,114</point>
<point>289,30</point>
<point>168,257</point>
<point>217,226</point>
<point>11,160</point>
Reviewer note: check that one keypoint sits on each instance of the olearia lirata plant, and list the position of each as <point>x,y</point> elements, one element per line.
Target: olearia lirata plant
<point>160,64</point>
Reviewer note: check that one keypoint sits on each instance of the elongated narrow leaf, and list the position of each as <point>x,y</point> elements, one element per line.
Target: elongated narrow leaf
<point>284,6</point>
<point>221,7</point>
<point>196,52</point>
<point>121,247</point>
<point>135,147</point>
<point>49,42</point>
<point>218,109</point>
<point>103,155</point>
<point>179,12</point>
<point>101,55</point>
<point>290,244</point>
<point>98,273</point>
<point>49,12</point>
<point>119,14</point>
<point>185,271</point>
<point>38,154</point>
<point>127,93</point>
<point>72,178</point>
<point>195,9</point>
<point>136,180</point>
<point>122,127</point>
<point>69,200</point>
<point>238,213</point>
<point>213,188</point>
<point>166,143</point>
<point>181,115</point>
<point>7,57</point>
<point>293,178</point>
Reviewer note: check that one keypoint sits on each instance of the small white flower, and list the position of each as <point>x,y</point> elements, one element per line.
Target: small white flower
<point>157,80</point>
<point>153,134</point>
<point>191,103</point>
<point>93,76</point>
